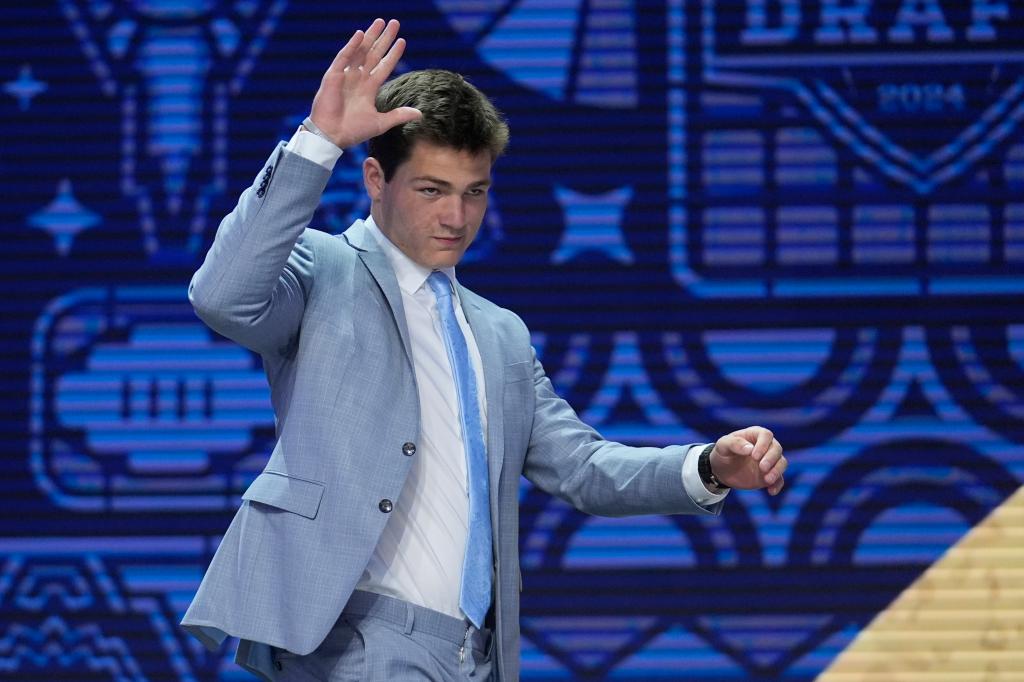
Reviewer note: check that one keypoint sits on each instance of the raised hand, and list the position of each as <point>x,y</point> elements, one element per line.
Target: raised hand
<point>343,107</point>
<point>750,459</point>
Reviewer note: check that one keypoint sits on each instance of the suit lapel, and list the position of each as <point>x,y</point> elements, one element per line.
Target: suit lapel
<point>494,385</point>
<point>380,269</point>
<point>486,340</point>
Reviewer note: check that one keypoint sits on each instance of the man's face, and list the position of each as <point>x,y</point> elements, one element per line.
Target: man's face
<point>433,206</point>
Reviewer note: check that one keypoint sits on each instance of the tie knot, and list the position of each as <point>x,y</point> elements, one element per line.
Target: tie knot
<point>440,284</point>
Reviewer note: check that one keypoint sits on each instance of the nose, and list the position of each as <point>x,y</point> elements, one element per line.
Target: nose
<point>454,214</point>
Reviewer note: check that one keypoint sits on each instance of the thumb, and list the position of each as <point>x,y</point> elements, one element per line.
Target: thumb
<point>399,116</point>
<point>738,445</point>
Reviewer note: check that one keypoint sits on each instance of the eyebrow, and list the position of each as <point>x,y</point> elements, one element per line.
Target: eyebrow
<point>445,183</point>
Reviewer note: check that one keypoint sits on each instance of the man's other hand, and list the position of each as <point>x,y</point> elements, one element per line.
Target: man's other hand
<point>749,459</point>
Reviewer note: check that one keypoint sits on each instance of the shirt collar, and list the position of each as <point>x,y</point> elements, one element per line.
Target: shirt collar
<point>410,274</point>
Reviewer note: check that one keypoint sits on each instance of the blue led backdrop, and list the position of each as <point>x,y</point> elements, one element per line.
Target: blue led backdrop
<point>804,214</point>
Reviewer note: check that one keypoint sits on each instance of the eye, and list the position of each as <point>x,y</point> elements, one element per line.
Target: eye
<point>430,191</point>
<point>477,192</point>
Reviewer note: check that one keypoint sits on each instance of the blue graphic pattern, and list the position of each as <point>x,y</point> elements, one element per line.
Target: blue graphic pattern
<point>165,418</point>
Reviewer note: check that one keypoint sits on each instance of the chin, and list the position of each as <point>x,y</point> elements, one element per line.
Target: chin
<point>449,261</point>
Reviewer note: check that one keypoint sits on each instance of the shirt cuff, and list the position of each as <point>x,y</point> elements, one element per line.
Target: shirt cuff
<point>314,148</point>
<point>695,487</point>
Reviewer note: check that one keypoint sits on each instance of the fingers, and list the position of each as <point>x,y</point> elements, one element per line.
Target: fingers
<point>364,49</point>
<point>773,466</point>
<point>379,37</point>
<point>344,56</point>
<point>381,43</point>
<point>771,454</point>
<point>376,29</point>
<point>767,453</point>
<point>388,62</point>
<point>764,440</point>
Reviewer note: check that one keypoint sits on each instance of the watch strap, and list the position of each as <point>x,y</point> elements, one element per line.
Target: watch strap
<point>308,124</point>
<point>707,476</point>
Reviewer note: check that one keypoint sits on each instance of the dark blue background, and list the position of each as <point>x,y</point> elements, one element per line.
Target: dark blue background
<point>830,244</point>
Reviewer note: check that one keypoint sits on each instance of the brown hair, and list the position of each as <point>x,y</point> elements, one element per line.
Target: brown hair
<point>455,114</point>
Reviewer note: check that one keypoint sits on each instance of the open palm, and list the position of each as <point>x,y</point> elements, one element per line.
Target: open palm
<point>344,106</point>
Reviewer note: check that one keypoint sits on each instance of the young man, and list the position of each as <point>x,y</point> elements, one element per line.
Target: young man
<point>381,540</point>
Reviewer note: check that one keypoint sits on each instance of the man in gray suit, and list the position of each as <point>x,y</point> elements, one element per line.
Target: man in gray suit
<point>381,540</point>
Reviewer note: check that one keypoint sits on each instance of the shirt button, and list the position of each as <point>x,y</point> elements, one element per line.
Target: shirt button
<point>385,506</point>
<point>409,449</point>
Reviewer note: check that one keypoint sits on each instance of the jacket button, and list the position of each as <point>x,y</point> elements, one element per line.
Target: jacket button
<point>385,506</point>
<point>409,449</point>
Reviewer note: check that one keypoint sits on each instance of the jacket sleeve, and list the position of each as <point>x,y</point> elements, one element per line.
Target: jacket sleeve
<point>571,460</point>
<point>253,285</point>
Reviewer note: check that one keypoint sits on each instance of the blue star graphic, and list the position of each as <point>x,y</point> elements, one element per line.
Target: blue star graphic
<point>25,87</point>
<point>64,218</point>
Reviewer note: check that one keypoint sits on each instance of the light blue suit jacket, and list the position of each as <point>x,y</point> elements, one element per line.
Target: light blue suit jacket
<point>325,313</point>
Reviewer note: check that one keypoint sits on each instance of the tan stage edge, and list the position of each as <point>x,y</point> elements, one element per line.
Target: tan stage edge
<point>961,621</point>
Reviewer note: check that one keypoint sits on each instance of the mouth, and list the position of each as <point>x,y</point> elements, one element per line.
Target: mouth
<point>449,241</point>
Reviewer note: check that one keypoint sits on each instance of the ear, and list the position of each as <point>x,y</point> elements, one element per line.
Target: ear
<point>373,178</point>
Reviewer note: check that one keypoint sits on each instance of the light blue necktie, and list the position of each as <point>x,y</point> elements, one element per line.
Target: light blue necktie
<point>475,594</point>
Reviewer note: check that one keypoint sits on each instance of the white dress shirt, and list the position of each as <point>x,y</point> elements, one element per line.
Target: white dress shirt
<point>419,555</point>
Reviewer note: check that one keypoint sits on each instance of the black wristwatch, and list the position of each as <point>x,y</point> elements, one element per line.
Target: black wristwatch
<point>707,476</point>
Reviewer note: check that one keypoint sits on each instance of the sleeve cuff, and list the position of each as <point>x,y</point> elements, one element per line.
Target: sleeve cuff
<point>314,148</point>
<point>695,487</point>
